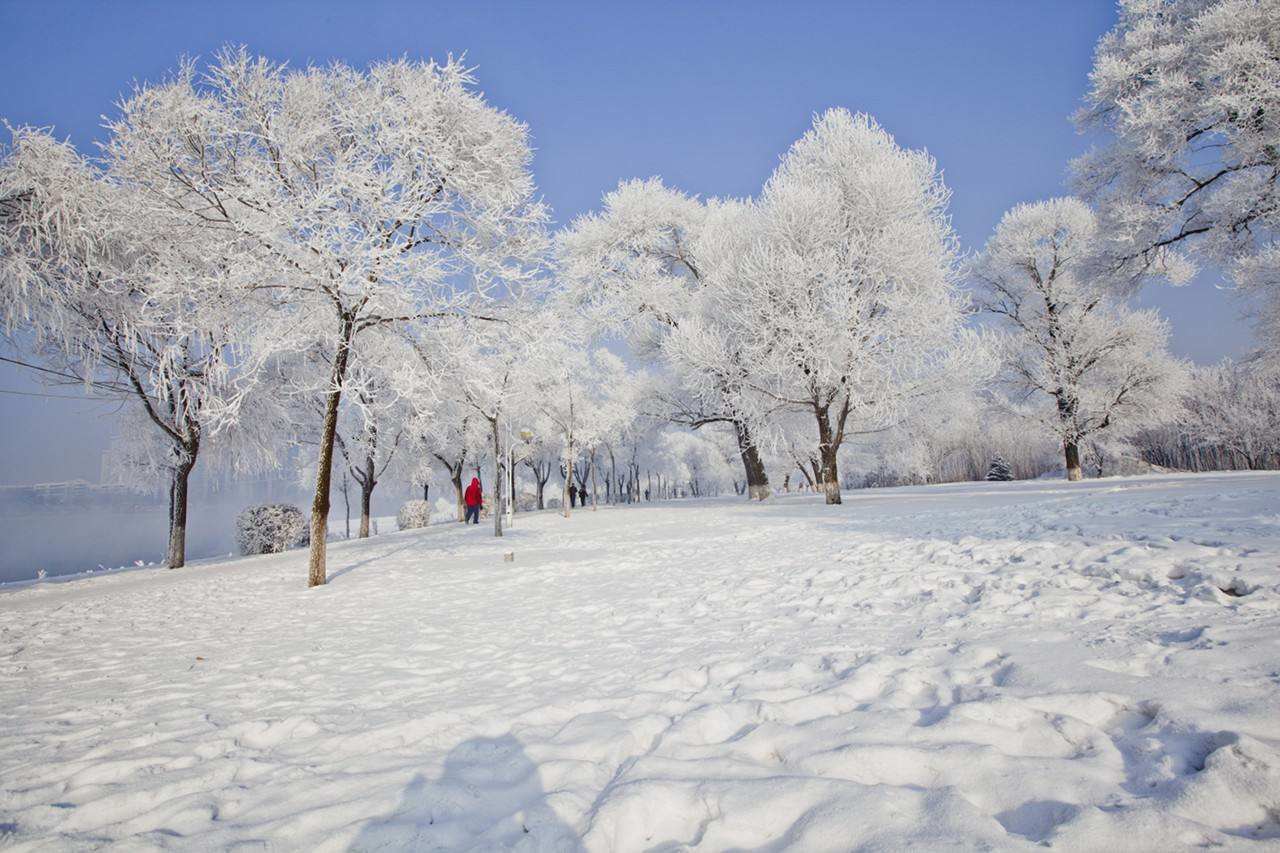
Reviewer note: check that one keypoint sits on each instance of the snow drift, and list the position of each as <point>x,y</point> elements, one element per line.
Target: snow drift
<point>990,665</point>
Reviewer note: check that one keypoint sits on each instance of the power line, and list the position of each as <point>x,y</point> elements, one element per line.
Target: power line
<point>51,396</point>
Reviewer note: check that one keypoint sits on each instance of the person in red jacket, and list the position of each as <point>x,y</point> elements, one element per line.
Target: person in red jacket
<point>473,498</point>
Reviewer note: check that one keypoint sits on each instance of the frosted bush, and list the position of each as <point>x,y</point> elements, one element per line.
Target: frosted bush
<point>413,514</point>
<point>446,508</point>
<point>271,528</point>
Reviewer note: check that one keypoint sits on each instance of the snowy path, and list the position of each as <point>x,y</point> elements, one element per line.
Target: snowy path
<point>975,666</point>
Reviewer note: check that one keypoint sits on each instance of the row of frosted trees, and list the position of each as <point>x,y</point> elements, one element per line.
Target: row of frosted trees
<point>352,267</point>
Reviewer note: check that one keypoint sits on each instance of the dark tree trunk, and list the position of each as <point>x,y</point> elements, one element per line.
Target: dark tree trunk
<point>459,495</point>
<point>366,498</point>
<point>497,479</point>
<point>1070,447</point>
<point>316,571</point>
<point>367,484</point>
<point>346,503</point>
<point>757,479</point>
<point>177,554</point>
<point>828,449</point>
<point>567,471</point>
<point>613,477</point>
<point>1071,452</point>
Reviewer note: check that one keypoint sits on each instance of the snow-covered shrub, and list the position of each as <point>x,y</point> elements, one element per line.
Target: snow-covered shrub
<point>446,508</point>
<point>413,514</point>
<point>271,528</point>
<point>999,472</point>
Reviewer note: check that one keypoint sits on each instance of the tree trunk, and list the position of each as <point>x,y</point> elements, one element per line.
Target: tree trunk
<point>456,479</point>
<point>346,502</point>
<point>177,556</point>
<point>316,569</point>
<point>1072,453</point>
<point>828,449</point>
<point>757,479</point>
<point>613,477</point>
<point>367,484</point>
<point>1067,407</point>
<point>497,479</point>
<point>568,477</point>
<point>366,498</point>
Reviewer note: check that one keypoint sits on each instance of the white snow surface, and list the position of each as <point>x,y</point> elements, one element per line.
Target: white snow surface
<point>977,666</point>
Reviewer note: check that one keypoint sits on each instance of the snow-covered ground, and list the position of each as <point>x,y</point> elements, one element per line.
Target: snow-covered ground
<point>970,666</point>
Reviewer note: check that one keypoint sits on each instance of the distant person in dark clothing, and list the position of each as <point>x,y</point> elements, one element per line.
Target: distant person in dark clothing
<point>573,495</point>
<point>473,499</point>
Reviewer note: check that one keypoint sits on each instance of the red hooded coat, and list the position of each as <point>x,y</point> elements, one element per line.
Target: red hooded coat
<point>472,496</point>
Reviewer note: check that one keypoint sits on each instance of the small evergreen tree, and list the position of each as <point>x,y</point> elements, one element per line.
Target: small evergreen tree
<point>999,472</point>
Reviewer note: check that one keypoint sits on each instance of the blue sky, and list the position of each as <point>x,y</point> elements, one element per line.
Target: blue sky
<point>706,94</point>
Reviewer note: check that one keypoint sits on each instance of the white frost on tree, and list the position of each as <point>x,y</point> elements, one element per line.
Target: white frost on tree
<point>270,529</point>
<point>1190,92</point>
<point>1094,367</point>
<point>1236,406</point>
<point>845,304</point>
<point>644,263</point>
<point>112,297</point>
<point>369,199</point>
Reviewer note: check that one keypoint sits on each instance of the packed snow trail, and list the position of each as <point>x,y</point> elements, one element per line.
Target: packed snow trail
<point>991,665</point>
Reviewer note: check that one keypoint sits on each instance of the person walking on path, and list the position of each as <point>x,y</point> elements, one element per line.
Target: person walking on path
<point>473,498</point>
<point>573,495</point>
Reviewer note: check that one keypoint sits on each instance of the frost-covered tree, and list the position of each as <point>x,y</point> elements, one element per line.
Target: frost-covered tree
<point>540,453</point>
<point>645,261</point>
<point>845,304</point>
<point>1189,91</point>
<point>1098,367</point>
<point>999,472</point>
<point>108,295</point>
<point>1235,406</point>
<point>584,396</point>
<point>491,369</point>
<point>371,434</point>
<point>372,199</point>
<point>448,434</point>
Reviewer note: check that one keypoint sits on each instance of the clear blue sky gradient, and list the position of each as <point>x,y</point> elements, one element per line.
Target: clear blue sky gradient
<point>706,95</point>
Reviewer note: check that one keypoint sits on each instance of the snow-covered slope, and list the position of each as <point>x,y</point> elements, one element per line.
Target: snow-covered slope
<point>985,665</point>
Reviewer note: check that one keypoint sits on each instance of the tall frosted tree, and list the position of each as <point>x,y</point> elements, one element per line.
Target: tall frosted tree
<point>1189,91</point>
<point>1095,367</point>
<point>372,199</point>
<point>645,261</point>
<point>107,294</point>
<point>845,303</point>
